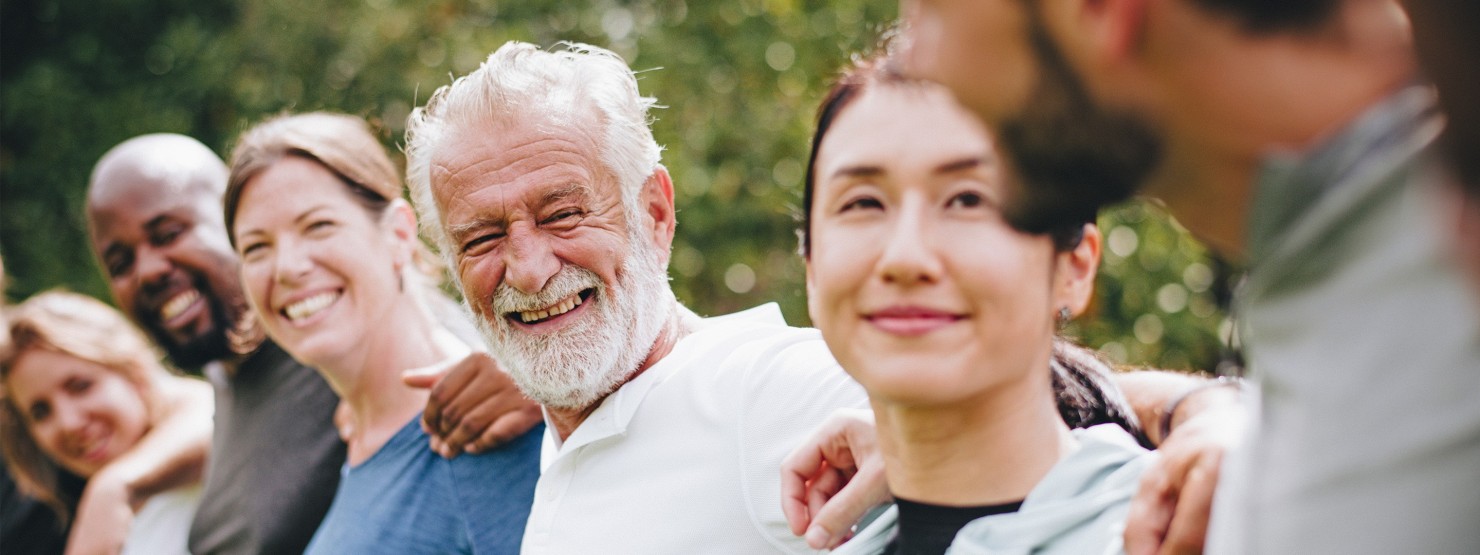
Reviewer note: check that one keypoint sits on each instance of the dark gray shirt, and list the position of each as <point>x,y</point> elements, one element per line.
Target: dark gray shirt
<point>275,458</point>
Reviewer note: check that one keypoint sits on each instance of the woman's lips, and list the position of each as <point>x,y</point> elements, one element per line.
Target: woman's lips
<point>911,321</point>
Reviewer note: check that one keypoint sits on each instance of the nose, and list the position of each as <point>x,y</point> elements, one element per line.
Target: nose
<point>291,262</point>
<point>153,267</point>
<point>70,419</point>
<point>529,263</point>
<point>909,254</point>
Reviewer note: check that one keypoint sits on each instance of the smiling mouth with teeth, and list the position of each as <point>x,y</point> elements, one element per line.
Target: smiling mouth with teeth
<point>563,306</point>
<point>177,304</point>
<point>310,306</point>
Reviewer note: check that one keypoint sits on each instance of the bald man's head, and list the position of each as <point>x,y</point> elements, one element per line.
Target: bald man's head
<point>154,213</point>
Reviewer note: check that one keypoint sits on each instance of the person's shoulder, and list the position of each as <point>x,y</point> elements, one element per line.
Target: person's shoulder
<point>1108,457</point>
<point>754,340</point>
<point>518,452</point>
<point>761,324</point>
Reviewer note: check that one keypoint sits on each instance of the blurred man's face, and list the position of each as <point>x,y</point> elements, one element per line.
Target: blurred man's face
<point>165,252</point>
<point>1071,155</point>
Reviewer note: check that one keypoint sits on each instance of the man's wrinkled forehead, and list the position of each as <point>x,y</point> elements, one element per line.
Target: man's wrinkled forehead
<point>458,151</point>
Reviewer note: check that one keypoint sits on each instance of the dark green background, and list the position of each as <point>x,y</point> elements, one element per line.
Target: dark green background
<point>739,81</point>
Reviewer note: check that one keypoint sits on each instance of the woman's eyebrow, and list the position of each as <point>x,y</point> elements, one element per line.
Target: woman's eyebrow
<point>858,171</point>
<point>960,164</point>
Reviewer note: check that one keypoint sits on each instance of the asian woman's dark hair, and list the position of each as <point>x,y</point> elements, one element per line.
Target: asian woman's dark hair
<point>1087,394</point>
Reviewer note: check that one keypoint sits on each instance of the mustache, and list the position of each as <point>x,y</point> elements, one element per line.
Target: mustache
<point>568,281</point>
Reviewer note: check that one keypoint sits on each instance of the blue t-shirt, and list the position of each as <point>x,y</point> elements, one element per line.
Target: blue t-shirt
<point>407,499</point>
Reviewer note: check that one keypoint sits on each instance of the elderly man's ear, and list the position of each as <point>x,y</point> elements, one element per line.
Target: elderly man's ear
<point>657,198</point>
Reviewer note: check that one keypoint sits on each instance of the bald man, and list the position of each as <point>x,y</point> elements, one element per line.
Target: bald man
<point>154,213</point>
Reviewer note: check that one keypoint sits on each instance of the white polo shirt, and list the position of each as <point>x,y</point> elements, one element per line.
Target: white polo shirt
<point>686,457</point>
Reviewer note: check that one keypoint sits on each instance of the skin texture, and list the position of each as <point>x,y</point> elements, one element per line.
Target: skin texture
<point>82,414</point>
<point>521,205</point>
<point>154,217</point>
<point>156,226</point>
<point>324,276</point>
<point>951,343</point>
<point>902,194</point>
<point>83,402</point>
<point>472,405</point>
<point>322,244</point>
<point>835,477</point>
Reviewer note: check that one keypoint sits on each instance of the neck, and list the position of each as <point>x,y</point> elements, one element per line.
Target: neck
<point>983,451</point>
<point>1235,98</point>
<point>369,381</point>
<point>681,322</point>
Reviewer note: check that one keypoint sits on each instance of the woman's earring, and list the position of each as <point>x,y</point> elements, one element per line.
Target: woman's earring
<point>1064,316</point>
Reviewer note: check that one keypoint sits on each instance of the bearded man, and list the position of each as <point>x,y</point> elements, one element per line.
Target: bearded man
<point>154,212</point>
<point>1294,136</point>
<point>538,178</point>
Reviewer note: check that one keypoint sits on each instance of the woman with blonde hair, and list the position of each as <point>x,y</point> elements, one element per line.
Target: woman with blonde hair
<point>82,387</point>
<point>335,272</point>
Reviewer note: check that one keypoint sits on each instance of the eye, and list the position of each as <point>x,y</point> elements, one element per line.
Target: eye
<point>565,214</point>
<point>166,233</point>
<point>39,411</point>
<point>320,226</point>
<point>862,203</point>
<point>968,199</point>
<point>249,248</point>
<point>77,385</point>
<point>118,264</point>
<point>480,243</point>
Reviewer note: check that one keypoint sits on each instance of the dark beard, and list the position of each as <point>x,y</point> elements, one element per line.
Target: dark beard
<point>1071,158</point>
<point>212,345</point>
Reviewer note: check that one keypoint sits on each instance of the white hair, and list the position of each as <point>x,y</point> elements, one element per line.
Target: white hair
<point>519,84</point>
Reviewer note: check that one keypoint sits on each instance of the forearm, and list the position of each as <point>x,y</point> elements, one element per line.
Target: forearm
<point>174,451</point>
<point>1152,392</point>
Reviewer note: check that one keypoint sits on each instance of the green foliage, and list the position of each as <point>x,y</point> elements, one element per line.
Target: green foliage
<point>739,80</point>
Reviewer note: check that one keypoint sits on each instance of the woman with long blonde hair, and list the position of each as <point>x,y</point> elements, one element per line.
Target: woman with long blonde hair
<point>82,387</point>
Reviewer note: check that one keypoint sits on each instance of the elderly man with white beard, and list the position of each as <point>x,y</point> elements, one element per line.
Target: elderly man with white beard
<point>538,179</point>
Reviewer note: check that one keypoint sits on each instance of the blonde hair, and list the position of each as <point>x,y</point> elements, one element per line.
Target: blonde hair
<point>77,326</point>
<point>342,144</point>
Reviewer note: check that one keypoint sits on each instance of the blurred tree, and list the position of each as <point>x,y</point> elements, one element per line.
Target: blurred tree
<point>739,81</point>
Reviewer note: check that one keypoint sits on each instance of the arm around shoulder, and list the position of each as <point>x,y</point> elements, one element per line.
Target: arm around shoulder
<point>171,454</point>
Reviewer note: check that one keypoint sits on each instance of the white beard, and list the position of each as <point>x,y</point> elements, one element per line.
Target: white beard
<point>576,367</point>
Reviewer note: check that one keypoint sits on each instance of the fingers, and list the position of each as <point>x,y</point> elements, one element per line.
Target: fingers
<point>483,419</point>
<point>821,489</point>
<point>820,455</point>
<point>1150,512</point>
<point>423,378</point>
<point>505,428</point>
<point>476,407</point>
<point>824,467</point>
<point>1189,525</point>
<point>430,377</point>
<point>797,470</point>
<point>463,386</point>
<point>833,521</point>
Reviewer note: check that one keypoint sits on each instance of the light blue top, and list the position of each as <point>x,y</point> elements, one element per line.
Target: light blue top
<point>1079,508</point>
<point>406,499</point>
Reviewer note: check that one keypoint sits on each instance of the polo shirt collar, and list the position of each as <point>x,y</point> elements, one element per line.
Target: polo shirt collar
<point>614,414</point>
